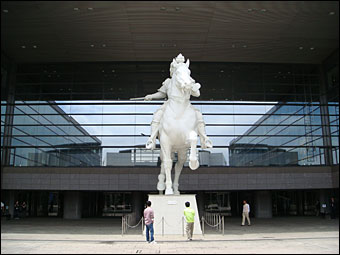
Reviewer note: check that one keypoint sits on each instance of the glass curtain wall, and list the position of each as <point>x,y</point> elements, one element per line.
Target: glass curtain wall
<point>79,114</point>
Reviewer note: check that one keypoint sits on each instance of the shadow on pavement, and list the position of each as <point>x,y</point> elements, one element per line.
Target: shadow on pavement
<point>112,226</point>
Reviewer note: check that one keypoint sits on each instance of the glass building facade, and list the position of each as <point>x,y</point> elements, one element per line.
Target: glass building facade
<point>79,114</point>
<point>76,122</point>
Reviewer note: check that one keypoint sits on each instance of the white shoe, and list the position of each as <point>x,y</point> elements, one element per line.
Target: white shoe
<point>153,242</point>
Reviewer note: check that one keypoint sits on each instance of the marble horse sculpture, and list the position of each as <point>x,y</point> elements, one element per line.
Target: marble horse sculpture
<point>177,124</point>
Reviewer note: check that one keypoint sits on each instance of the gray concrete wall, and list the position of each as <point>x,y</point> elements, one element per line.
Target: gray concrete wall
<point>335,176</point>
<point>146,178</point>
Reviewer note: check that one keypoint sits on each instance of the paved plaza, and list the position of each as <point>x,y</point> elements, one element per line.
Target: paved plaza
<point>298,235</point>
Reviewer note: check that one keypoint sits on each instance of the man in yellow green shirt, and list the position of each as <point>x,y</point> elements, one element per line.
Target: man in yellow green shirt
<point>189,216</point>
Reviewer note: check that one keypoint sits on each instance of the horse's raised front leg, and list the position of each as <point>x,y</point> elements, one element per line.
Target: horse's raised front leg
<point>182,157</point>
<point>193,161</point>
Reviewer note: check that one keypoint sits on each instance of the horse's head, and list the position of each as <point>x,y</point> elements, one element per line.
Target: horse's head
<point>182,75</point>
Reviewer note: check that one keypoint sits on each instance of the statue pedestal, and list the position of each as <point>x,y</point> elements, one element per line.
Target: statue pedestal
<point>171,208</point>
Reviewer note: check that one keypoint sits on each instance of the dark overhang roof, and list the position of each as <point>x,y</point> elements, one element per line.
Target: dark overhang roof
<point>212,31</point>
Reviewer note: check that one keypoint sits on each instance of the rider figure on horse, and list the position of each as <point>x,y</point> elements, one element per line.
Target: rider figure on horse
<point>167,91</point>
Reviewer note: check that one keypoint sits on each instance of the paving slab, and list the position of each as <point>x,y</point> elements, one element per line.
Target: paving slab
<point>295,235</point>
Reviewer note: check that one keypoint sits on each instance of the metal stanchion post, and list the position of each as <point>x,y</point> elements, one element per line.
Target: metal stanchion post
<point>142,225</point>
<point>203,225</point>
<point>122,225</point>
<point>223,225</point>
<point>182,226</point>
<point>220,223</point>
<point>125,224</point>
<point>162,226</point>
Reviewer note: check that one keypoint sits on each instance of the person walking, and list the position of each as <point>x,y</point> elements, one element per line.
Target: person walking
<point>317,208</point>
<point>189,214</point>
<point>149,219</point>
<point>245,213</point>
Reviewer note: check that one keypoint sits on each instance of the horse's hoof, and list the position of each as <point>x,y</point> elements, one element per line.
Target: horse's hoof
<point>150,145</point>
<point>161,186</point>
<point>194,164</point>
<point>208,144</point>
<point>169,192</point>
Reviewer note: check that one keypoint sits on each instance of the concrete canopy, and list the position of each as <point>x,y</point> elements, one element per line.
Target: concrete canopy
<point>212,31</point>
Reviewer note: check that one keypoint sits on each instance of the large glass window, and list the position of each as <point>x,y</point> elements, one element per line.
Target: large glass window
<point>81,115</point>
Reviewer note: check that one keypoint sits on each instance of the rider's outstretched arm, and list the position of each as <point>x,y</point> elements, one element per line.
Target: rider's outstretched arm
<point>157,95</point>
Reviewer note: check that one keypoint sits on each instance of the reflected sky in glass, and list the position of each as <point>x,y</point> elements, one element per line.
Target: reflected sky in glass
<point>228,114</point>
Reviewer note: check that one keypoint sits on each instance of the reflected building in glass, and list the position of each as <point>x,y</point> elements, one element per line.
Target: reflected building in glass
<point>285,135</point>
<point>44,135</point>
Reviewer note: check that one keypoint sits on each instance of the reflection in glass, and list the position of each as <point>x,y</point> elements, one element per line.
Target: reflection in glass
<point>113,133</point>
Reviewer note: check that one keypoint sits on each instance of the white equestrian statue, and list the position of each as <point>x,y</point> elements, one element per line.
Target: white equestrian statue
<point>177,124</point>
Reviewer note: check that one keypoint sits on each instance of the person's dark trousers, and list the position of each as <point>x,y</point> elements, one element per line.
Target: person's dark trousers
<point>332,213</point>
<point>16,213</point>
<point>149,228</point>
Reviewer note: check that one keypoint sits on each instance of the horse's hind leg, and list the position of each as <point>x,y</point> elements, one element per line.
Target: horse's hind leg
<point>161,177</point>
<point>167,165</point>
<point>182,157</point>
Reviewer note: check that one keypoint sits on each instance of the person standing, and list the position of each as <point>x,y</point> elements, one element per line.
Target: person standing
<point>189,214</point>
<point>16,210</point>
<point>24,207</point>
<point>149,219</point>
<point>245,213</point>
<point>2,208</point>
<point>332,208</point>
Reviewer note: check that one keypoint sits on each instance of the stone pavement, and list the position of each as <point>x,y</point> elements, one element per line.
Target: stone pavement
<point>298,235</point>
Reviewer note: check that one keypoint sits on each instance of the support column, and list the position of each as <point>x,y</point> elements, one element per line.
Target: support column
<point>323,200</point>
<point>7,135</point>
<point>72,205</point>
<point>300,203</point>
<point>11,203</point>
<point>137,206</point>
<point>263,204</point>
<point>326,131</point>
<point>200,202</point>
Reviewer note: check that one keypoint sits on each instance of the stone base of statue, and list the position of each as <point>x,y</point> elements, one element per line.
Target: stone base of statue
<point>169,214</point>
